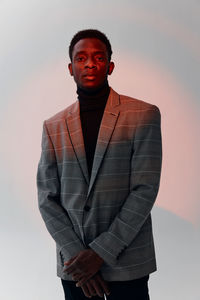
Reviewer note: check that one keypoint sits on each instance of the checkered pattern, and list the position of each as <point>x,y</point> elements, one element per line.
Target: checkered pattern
<point>109,212</point>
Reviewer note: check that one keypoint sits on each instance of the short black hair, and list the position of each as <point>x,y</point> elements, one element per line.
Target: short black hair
<point>90,33</point>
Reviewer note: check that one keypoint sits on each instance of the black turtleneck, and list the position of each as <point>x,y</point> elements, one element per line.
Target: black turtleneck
<point>92,105</point>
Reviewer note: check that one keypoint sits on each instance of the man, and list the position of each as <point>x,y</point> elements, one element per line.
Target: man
<point>98,178</point>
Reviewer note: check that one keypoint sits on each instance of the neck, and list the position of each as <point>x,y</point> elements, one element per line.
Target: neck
<point>95,99</point>
<point>99,92</point>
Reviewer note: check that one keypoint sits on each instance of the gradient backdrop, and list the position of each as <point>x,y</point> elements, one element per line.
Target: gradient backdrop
<point>156,47</point>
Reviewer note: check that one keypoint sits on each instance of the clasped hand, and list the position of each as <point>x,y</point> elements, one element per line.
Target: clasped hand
<point>83,269</point>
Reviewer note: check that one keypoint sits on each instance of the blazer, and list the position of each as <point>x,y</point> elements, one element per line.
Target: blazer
<point>111,211</point>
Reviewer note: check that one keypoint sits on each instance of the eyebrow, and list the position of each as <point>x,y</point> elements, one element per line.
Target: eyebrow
<point>84,52</point>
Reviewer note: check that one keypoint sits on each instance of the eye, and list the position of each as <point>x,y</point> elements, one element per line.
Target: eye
<point>100,58</point>
<point>79,58</point>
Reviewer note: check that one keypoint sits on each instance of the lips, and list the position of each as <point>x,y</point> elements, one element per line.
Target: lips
<point>89,76</point>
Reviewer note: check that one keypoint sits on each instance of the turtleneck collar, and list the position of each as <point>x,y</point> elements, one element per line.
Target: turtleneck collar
<point>95,99</point>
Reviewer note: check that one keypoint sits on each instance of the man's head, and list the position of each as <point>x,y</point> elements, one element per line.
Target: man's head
<point>90,33</point>
<point>90,53</point>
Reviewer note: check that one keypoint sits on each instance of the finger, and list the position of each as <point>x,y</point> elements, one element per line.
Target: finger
<point>71,269</point>
<point>97,287</point>
<point>86,291</point>
<point>103,284</point>
<point>91,289</point>
<point>68,262</point>
<point>76,267</point>
<point>84,280</point>
<point>77,277</point>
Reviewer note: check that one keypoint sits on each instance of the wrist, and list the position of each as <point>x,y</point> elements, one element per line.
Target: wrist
<point>99,258</point>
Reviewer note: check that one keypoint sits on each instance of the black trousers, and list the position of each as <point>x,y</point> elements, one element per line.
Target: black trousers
<point>119,290</point>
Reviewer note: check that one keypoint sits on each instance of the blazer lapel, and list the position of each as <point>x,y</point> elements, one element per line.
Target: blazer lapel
<point>76,135</point>
<point>107,126</point>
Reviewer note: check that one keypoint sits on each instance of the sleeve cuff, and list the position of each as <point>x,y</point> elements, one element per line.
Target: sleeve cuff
<point>71,249</point>
<point>102,246</point>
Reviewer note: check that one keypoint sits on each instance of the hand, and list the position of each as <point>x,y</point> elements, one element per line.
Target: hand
<point>95,286</point>
<point>83,266</point>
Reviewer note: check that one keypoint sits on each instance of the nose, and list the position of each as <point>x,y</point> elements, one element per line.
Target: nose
<point>90,63</point>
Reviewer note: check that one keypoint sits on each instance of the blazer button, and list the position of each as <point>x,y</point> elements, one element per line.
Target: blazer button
<point>87,208</point>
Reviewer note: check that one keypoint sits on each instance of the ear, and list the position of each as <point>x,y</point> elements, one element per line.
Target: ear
<point>111,67</point>
<point>70,69</point>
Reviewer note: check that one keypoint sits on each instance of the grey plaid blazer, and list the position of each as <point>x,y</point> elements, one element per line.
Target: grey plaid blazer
<point>109,213</point>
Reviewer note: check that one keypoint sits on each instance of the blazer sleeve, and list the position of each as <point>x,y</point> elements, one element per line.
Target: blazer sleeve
<point>146,163</point>
<point>54,215</point>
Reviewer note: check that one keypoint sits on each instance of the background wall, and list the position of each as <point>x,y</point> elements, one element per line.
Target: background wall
<point>156,47</point>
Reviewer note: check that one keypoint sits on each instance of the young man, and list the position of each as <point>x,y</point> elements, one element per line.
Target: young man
<point>98,178</point>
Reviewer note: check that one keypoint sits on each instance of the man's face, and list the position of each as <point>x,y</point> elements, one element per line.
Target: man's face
<point>90,65</point>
